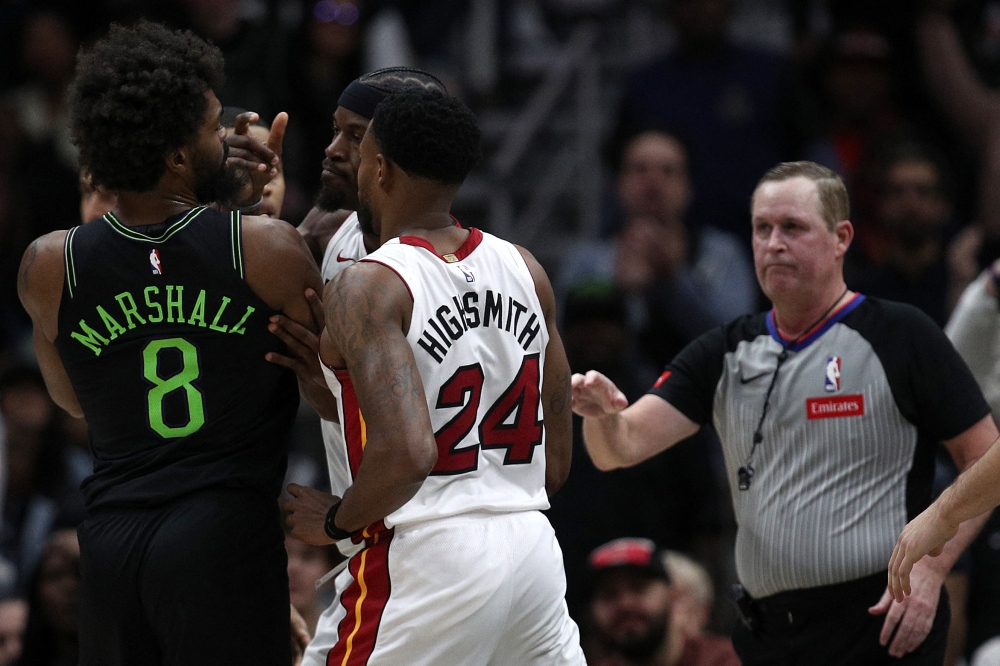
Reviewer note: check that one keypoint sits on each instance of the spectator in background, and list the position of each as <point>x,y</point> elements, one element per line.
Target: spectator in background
<point>42,485</point>
<point>13,622</point>
<point>635,615</point>
<point>693,592</point>
<point>974,110</point>
<point>857,87</point>
<point>48,54</point>
<point>38,172</point>
<point>306,565</point>
<point>727,102</point>
<point>681,279</point>
<point>255,52</point>
<point>51,635</point>
<point>325,57</point>
<point>903,239</point>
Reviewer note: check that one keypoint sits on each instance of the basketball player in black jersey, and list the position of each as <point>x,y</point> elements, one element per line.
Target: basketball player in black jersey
<point>151,323</point>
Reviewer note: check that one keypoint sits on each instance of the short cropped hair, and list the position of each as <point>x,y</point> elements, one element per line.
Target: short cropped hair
<point>139,95</point>
<point>402,79</point>
<point>428,135</point>
<point>834,204</point>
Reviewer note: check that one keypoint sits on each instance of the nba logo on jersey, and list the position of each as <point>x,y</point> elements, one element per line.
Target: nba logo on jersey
<point>154,260</point>
<point>469,277</point>
<point>832,374</point>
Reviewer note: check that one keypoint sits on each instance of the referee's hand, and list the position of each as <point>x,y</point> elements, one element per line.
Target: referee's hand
<point>594,395</point>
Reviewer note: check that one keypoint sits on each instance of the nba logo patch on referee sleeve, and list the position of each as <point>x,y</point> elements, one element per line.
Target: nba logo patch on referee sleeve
<point>832,380</point>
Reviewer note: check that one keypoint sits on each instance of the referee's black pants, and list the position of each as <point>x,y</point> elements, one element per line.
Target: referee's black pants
<point>831,626</point>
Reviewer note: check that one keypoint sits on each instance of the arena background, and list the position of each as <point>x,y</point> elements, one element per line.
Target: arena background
<point>561,88</point>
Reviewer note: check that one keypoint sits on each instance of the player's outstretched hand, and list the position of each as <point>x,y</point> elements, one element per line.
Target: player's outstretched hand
<point>594,395</point>
<point>305,514</point>
<point>300,636</point>
<point>303,344</point>
<point>257,162</point>
<point>924,535</point>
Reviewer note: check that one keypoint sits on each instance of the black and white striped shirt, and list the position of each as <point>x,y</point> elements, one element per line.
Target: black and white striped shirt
<point>847,456</point>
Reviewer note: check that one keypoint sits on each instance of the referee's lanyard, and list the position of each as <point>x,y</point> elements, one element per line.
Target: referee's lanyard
<point>745,473</point>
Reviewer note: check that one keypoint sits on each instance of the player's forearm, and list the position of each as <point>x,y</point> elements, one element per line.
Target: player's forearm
<point>388,478</point>
<point>975,492</point>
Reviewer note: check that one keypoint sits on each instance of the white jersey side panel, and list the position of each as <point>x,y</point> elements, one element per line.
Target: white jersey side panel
<point>478,336</point>
<point>346,246</point>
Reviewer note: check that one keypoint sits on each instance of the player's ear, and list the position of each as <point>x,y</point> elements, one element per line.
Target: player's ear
<point>177,160</point>
<point>383,172</point>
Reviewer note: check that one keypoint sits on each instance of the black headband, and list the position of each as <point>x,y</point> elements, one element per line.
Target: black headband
<point>361,99</point>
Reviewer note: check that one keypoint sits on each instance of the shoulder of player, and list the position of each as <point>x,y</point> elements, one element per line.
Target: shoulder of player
<point>368,293</point>
<point>40,276</point>
<point>275,240</point>
<point>372,276</point>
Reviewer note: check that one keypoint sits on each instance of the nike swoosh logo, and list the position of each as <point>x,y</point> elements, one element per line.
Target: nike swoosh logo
<point>747,380</point>
<point>340,258</point>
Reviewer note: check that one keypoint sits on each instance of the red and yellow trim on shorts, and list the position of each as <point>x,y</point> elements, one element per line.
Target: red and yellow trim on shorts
<point>364,599</point>
<point>355,430</point>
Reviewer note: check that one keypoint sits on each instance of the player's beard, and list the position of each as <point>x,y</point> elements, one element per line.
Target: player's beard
<point>214,182</point>
<point>333,197</point>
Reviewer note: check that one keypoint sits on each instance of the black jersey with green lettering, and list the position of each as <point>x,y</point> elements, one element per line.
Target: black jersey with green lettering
<point>164,344</point>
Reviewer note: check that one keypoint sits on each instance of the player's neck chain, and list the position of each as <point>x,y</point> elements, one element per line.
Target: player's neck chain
<point>745,473</point>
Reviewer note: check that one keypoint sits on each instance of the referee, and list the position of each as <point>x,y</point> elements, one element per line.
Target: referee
<point>829,408</point>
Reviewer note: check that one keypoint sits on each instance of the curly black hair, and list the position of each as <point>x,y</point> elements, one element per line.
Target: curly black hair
<point>139,95</point>
<point>428,134</point>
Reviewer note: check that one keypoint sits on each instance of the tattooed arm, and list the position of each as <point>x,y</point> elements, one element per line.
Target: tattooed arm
<point>368,313</point>
<point>39,286</point>
<point>556,390</point>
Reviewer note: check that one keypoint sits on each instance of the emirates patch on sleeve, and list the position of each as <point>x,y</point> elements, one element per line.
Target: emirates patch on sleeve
<point>833,407</point>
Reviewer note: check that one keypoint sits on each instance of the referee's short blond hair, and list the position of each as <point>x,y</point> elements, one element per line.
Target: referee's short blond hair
<point>834,204</point>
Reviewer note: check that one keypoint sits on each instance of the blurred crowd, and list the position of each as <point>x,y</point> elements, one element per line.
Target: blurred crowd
<point>900,97</point>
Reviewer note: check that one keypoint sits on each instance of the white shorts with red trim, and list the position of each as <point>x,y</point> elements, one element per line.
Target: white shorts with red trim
<point>475,589</point>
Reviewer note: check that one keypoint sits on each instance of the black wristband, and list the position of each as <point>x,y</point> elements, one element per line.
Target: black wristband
<point>331,528</point>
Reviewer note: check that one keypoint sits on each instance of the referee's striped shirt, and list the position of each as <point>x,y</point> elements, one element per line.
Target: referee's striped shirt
<point>847,456</point>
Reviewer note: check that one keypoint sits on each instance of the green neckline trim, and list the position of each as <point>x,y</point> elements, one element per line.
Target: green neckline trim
<point>167,233</point>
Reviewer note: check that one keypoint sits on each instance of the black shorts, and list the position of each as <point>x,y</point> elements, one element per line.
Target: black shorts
<point>201,580</point>
<point>831,626</point>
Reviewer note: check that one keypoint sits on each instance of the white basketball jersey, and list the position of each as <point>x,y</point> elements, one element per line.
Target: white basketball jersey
<point>346,246</point>
<point>478,336</point>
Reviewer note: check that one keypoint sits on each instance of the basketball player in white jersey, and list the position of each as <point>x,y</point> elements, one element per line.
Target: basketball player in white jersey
<point>453,389</point>
<point>331,228</point>
<point>333,234</point>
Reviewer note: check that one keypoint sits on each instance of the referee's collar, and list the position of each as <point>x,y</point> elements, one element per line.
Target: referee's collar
<point>817,330</point>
